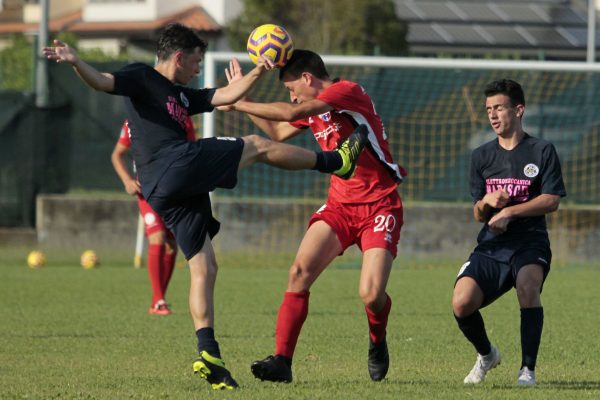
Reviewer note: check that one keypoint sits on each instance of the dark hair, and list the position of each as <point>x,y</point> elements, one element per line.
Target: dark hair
<point>508,87</point>
<point>178,37</point>
<point>304,61</point>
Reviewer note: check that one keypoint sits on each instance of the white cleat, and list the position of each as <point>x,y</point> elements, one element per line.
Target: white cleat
<point>526,377</point>
<point>482,366</point>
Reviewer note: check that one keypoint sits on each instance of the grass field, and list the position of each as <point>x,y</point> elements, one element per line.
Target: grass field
<point>69,333</point>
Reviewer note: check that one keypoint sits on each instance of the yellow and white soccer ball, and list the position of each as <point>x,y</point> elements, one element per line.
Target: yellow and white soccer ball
<point>271,40</point>
<point>36,259</point>
<point>89,259</point>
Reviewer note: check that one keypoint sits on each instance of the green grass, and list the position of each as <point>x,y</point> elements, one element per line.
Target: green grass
<point>69,333</point>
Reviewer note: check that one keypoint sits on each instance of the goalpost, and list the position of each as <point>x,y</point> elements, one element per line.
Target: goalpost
<point>434,114</point>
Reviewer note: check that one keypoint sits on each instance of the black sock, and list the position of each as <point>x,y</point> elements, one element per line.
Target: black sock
<point>532,322</point>
<point>474,330</point>
<point>207,342</point>
<point>328,161</point>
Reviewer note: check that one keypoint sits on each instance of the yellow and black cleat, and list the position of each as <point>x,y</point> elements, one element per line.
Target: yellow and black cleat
<point>350,150</point>
<point>213,370</point>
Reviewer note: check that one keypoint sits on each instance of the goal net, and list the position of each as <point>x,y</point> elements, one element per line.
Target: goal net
<point>435,116</point>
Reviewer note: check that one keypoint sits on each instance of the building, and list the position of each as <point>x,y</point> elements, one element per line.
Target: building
<point>117,25</point>
<point>532,29</point>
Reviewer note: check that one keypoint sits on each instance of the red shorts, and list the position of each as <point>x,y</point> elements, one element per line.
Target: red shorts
<point>368,225</point>
<point>152,221</point>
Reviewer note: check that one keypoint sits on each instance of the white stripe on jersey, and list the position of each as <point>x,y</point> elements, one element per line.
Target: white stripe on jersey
<point>360,119</point>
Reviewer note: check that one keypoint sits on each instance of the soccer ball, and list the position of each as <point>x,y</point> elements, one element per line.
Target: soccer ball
<point>272,41</point>
<point>89,259</point>
<point>36,259</point>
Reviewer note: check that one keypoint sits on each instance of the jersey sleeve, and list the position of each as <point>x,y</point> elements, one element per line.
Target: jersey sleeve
<point>124,136</point>
<point>300,124</point>
<point>129,80</point>
<point>552,182</point>
<point>477,182</point>
<point>200,99</point>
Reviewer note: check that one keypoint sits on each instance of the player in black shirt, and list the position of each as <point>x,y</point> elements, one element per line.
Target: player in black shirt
<point>515,181</point>
<point>177,175</point>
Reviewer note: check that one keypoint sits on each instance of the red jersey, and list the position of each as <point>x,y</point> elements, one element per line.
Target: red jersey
<point>376,173</point>
<point>125,136</point>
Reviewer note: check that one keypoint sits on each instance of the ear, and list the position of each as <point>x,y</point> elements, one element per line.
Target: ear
<point>307,78</point>
<point>178,57</point>
<point>520,110</point>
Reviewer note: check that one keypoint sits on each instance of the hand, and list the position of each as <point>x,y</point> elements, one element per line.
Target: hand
<point>265,63</point>
<point>133,187</point>
<point>499,222</point>
<point>234,72</point>
<point>497,199</point>
<point>61,53</point>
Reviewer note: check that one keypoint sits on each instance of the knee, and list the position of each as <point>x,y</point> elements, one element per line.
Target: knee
<point>528,293</point>
<point>258,142</point>
<point>299,277</point>
<point>157,238</point>
<point>463,306</point>
<point>371,297</point>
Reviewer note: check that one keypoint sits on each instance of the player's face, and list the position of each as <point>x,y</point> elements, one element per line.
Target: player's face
<point>300,89</point>
<point>188,66</point>
<point>504,117</point>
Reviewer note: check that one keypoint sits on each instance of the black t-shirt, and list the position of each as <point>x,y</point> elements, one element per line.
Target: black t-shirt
<point>525,172</point>
<point>156,110</point>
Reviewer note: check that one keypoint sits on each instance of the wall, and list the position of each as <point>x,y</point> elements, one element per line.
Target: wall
<point>432,229</point>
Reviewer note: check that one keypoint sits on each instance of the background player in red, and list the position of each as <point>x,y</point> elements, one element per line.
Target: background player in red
<point>162,247</point>
<point>365,210</point>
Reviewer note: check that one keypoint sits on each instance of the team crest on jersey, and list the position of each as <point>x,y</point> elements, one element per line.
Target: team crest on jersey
<point>531,170</point>
<point>325,117</point>
<point>184,100</point>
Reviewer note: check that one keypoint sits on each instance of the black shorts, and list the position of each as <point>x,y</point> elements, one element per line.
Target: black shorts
<point>181,196</point>
<point>496,275</point>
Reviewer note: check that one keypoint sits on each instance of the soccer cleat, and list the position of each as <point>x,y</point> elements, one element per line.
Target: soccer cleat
<point>526,377</point>
<point>483,365</point>
<point>272,368</point>
<point>379,360</point>
<point>213,370</point>
<point>160,308</point>
<point>350,150</point>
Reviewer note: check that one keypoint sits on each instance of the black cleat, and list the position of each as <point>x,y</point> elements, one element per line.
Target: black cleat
<point>350,150</point>
<point>213,370</point>
<point>272,368</point>
<point>379,360</point>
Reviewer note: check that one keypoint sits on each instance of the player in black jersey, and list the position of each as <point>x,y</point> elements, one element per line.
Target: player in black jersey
<point>176,175</point>
<point>515,181</point>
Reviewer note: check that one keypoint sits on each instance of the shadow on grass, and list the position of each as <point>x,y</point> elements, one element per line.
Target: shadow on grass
<point>560,385</point>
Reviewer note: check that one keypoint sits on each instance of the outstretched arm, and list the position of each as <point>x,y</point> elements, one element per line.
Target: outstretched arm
<point>278,131</point>
<point>237,89</point>
<point>63,53</point>
<point>281,111</point>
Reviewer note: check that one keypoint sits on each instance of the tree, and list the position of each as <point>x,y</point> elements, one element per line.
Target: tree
<point>16,64</point>
<point>357,27</point>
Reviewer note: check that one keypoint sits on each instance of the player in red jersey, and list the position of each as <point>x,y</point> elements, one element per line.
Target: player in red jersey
<point>162,247</point>
<point>365,210</point>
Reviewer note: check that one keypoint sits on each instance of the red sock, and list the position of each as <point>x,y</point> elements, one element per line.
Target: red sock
<point>292,314</point>
<point>168,265</point>
<point>378,321</point>
<point>156,253</point>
